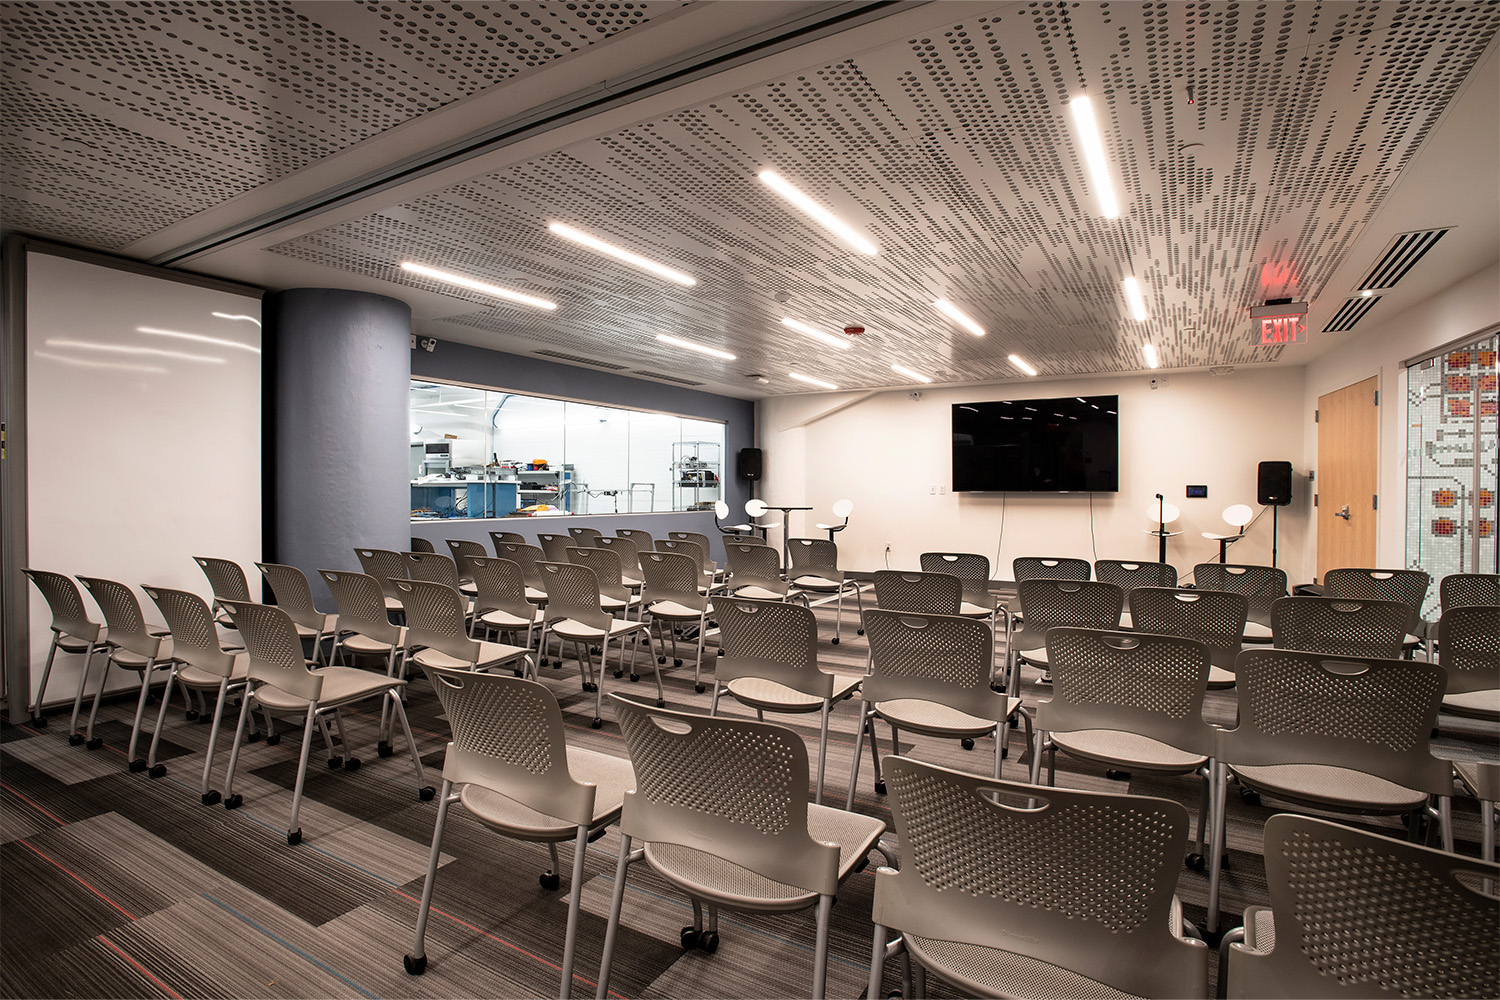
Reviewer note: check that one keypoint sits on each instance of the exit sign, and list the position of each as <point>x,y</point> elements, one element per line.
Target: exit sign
<point>1283,324</point>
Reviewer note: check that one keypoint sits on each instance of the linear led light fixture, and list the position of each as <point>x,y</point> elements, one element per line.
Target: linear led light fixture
<point>88,345</point>
<point>812,381</point>
<point>620,253</point>
<point>1013,359</point>
<point>827,219</point>
<point>958,316</point>
<point>1082,110</point>
<point>914,376</point>
<point>248,319</point>
<point>478,286</point>
<point>198,337</point>
<point>1149,350</point>
<point>842,343</point>
<point>1135,298</point>
<point>690,346</point>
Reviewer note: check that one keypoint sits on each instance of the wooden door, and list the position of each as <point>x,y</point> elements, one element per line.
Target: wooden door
<point>1348,435</point>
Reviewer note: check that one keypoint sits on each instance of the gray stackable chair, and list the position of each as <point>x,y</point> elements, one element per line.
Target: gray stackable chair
<point>1458,590</point>
<point>1050,568</point>
<point>615,594</point>
<point>498,538</point>
<point>294,596</point>
<point>1050,602</point>
<point>435,630</point>
<point>280,682</point>
<point>1340,626</point>
<point>1261,585</point>
<point>1128,574</point>
<point>643,540</point>
<point>1481,779</point>
<point>584,536</point>
<point>922,593</point>
<point>770,664</point>
<point>420,545</point>
<point>671,596</point>
<point>1215,618</point>
<point>973,570</point>
<point>694,550</point>
<point>930,674</point>
<point>711,569</point>
<point>754,571</point>
<point>721,808</point>
<point>132,646</point>
<point>228,582</point>
<point>463,551</point>
<point>1009,890</point>
<point>815,569</point>
<point>575,611</point>
<point>1405,586</point>
<point>199,664</point>
<point>516,774</point>
<point>1132,702</point>
<point>630,558</point>
<point>1355,914</point>
<point>554,547</point>
<point>384,566</point>
<point>527,557</point>
<point>72,632</point>
<point>1471,656</point>
<point>433,567</point>
<point>364,622</point>
<point>500,600</point>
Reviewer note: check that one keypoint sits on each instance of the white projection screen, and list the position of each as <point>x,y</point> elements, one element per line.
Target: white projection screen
<point>143,438</point>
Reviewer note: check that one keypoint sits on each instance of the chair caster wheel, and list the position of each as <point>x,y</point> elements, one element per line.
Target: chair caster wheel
<point>859,631</point>
<point>75,740</point>
<point>384,749</point>
<point>879,788</point>
<point>676,663</point>
<point>689,938</point>
<point>191,715</point>
<point>40,721</point>
<point>137,765</point>
<point>1249,796</point>
<point>590,687</point>
<point>700,688</point>
<point>1195,862</point>
<point>619,673</point>
<point>864,863</point>
<point>594,650</point>
<point>721,652</point>
<point>426,793</point>
<point>661,703</point>
<point>1005,753</point>
<point>234,801</point>
<point>334,763</point>
<point>352,764</point>
<point>273,740</point>
<point>1114,775</point>
<point>966,743</point>
<point>661,659</point>
<point>157,771</point>
<point>596,723</point>
<point>708,941</point>
<point>255,737</point>
<point>550,881</point>
<point>414,966</point>
<point>635,678</point>
<point>211,798</point>
<point>544,661</point>
<point>1224,863</point>
<point>205,719</point>
<point>294,837</point>
<point>94,744</point>
<point>835,640</point>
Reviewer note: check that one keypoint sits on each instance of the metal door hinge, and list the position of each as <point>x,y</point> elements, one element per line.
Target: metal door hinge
<point>1377,397</point>
<point>1315,416</point>
<point>1315,499</point>
<point>1374,501</point>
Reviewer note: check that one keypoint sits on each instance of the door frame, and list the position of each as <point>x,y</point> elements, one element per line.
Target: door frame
<point>1344,381</point>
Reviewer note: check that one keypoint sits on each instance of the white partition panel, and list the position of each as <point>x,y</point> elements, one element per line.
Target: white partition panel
<point>143,434</point>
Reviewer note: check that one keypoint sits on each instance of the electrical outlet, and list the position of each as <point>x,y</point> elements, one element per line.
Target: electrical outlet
<point>889,546</point>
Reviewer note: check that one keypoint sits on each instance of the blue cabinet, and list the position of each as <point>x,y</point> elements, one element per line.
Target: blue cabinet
<point>465,498</point>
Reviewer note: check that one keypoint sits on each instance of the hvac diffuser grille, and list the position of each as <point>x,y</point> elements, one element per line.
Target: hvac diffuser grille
<point>592,362</point>
<point>1402,254</point>
<point>1349,313</point>
<point>666,378</point>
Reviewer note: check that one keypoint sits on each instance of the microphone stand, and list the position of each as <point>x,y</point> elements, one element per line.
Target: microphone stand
<point>1161,528</point>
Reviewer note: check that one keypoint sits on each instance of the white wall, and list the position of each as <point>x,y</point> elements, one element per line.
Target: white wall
<point>1469,307</point>
<point>886,452</point>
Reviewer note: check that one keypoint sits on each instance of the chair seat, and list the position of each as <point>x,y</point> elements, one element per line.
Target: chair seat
<point>933,719</point>
<point>341,686</point>
<point>673,611</point>
<point>1482,704</point>
<point>1115,746</point>
<point>358,642</point>
<point>1260,929</point>
<point>1257,632</point>
<point>755,593</point>
<point>536,596</point>
<point>1327,785</point>
<point>196,677</point>
<point>135,661</point>
<point>570,629</point>
<point>491,654</point>
<point>615,604</point>
<point>1218,677</point>
<point>974,610</point>
<point>817,583</point>
<point>504,619</point>
<point>394,604</point>
<point>469,589</point>
<point>611,777</point>
<point>759,692</point>
<point>713,879</point>
<point>73,644</point>
<point>1481,779</point>
<point>831,527</point>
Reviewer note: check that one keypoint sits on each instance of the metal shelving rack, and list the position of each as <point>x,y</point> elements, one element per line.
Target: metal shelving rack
<point>697,471</point>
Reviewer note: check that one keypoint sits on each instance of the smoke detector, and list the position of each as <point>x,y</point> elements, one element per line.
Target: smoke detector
<point>854,329</point>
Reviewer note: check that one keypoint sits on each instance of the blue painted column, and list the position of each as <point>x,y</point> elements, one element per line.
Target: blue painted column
<point>338,373</point>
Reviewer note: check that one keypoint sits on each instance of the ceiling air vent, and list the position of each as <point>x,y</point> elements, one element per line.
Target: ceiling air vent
<point>591,362</point>
<point>1349,313</point>
<point>666,378</point>
<point>1402,254</point>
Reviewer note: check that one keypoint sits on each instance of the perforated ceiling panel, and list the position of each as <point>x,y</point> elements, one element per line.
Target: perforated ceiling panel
<point>953,153</point>
<point>122,118</point>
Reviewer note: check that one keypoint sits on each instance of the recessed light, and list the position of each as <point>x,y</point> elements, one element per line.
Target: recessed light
<point>485,287</point>
<point>914,376</point>
<point>832,340</point>
<point>689,345</point>
<point>812,381</point>
<point>827,219</point>
<point>1149,350</point>
<point>620,253</point>
<point>958,316</point>
<point>1366,293</point>
<point>1082,110</point>
<point>1021,365</point>
<point>1135,298</point>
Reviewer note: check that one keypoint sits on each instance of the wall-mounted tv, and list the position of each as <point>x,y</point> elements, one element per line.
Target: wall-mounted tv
<point>1062,445</point>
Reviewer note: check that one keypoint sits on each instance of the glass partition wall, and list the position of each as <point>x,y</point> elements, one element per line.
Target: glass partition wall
<point>1453,463</point>
<point>487,453</point>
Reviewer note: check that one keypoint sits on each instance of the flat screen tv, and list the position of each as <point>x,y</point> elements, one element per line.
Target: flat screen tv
<point>1063,445</point>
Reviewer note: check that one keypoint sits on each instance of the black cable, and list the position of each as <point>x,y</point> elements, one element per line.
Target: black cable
<point>1093,539</point>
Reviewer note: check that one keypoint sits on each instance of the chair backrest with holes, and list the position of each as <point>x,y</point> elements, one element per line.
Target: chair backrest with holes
<point>526,557</point>
<point>1368,715</point>
<point>1361,915</point>
<point>1213,617</point>
<point>554,547</point>
<point>731,788</point>
<point>1130,575</point>
<point>772,640</point>
<point>941,658</point>
<point>970,567</point>
<point>195,640</point>
<point>1049,568</point>
<point>573,592</point>
<point>508,736</point>
<point>421,545</point>
<point>607,571</point>
<point>671,576</point>
<point>384,565</point>
<point>122,616</point>
<point>643,540</point>
<point>1074,603</point>
<point>814,557</point>
<point>361,604</point>
<point>1406,586</point>
<point>435,618</point>
<point>289,585</point>
<point>275,650</point>
<point>434,567</point>
<point>225,577</point>
<point>924,593</point>
<point>497,538</point>
<point>69,616</point>
<point>1471,648</point>
<point>701,540</point>
<point>1340,626</point>
<point>463,550</point>
<point>1079,880</point>
<point>753,564</point>
<point>501,586</point>
<point>1461,589</point>
<point>681,546</point>
<point>1263,585</point>
<point>584,536</point>
<point>1150,685</point>
<point>630,557</point>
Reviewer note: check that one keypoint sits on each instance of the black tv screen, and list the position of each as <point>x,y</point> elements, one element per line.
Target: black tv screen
<point>1037,445</point>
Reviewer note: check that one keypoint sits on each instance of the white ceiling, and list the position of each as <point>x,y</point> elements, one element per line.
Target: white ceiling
<point>293,144</point>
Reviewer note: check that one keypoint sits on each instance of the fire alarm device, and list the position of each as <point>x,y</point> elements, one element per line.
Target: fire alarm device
<point>854,329</point>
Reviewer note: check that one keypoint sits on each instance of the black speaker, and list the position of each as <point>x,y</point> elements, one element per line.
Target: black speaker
<point>1274,484</point>
<point>750,463</point>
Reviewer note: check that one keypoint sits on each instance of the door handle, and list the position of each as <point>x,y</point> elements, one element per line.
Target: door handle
<point>1342,513</point>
